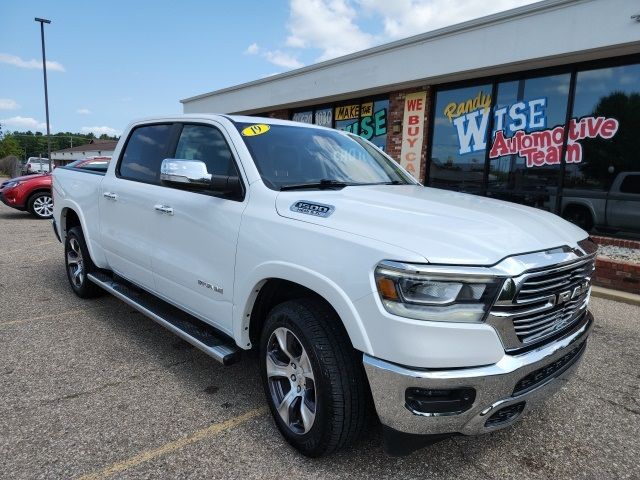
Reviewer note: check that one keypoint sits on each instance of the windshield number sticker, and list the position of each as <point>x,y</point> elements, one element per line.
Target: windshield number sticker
<point>253,130</point>
<point>314,209</point>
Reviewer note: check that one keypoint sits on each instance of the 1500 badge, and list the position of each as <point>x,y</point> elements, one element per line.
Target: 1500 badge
<point>311,208</point>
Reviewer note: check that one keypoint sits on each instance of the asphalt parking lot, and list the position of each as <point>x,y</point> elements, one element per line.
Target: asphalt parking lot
<point>92,389</point>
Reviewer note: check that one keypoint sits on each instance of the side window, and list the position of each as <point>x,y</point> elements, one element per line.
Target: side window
<point>631,184</point>
<point>200,142</point>
<point>145,150</point>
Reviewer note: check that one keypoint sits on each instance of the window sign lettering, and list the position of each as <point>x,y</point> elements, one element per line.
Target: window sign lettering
<point>520,129</point>
<point>304,117</point>
<point>347,112</point>
<point>324,117</point>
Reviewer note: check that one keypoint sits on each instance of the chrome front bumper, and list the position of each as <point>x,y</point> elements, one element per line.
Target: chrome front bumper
<point>494,385</point>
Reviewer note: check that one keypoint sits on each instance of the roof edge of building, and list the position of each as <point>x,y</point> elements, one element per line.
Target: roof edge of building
<point>495,18</point>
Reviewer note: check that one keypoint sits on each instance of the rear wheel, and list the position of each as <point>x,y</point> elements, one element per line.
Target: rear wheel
<point>41,205</point>
<point>313,378</point>
<point>79,264</point>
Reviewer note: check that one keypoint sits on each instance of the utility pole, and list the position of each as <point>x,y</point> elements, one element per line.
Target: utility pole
<point>46,93</point>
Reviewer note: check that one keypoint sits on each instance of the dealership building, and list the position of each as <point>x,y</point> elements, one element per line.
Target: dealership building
<point>538,105</point>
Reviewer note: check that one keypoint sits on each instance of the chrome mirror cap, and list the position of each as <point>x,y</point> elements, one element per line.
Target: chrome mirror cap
<point>189,172</point>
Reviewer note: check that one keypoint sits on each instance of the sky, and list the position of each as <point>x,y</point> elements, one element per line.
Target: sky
<point>111,62</point>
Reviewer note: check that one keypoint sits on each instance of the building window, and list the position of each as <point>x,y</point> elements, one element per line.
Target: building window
<point>304,117</point>
<point>532,156</point>
<point>322,116</point>
<point>460,123</point>
<point>527,140</point>
<point>606,112</point>
<point>367,118</point>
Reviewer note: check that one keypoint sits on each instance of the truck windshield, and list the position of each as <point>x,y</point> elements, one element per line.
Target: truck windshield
<point>290,157</point>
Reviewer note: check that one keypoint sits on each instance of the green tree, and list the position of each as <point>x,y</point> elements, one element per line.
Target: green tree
<point>10,146</point>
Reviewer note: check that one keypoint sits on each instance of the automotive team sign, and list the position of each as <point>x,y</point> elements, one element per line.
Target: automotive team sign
<point>521,129</point>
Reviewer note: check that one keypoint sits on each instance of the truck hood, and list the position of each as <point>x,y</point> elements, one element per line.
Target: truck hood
<point>442,226</point>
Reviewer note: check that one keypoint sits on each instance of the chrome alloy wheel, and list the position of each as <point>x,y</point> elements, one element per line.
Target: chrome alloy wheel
<point>43,206</point>
<point>291,381</point>
<point>75,265</point>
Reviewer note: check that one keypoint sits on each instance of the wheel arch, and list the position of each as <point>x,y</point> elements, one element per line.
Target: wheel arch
<point>71,216</point>
<point>280,282</point>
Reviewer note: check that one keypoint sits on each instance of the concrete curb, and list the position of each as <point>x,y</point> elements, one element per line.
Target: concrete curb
<point>616,295</point>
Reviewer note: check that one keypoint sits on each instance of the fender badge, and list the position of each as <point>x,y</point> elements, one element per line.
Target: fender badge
<point>311,208</point>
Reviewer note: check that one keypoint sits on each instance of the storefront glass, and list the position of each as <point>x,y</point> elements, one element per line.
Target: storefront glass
<point>526,117</point>
<point>609,93</point>
<point>528,134</point>
<point>367,118</point>
<point>461,120</point>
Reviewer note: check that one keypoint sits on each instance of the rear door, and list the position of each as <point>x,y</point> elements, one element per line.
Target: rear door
<point>195,245</point>
<point>127,203</point>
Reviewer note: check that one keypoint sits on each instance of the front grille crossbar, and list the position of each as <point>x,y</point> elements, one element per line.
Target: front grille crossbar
<point>545,302</point>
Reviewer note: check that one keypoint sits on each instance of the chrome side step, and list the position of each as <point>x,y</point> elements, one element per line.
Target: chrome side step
<point>197,333</point>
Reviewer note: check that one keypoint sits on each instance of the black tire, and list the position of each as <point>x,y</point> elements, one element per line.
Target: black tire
<point>341,395</point>
<point>580,216</point>
<point>40,205</point>
<point>80,284</point>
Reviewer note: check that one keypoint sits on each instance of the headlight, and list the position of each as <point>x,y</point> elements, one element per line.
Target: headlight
<point>437,296</point>
<point>11,184</point>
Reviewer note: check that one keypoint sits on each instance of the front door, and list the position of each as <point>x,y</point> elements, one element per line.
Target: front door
<point>196,234</point>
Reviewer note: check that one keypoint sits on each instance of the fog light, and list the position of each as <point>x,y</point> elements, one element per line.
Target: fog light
<point>438,402</point>
<point>505,415</point>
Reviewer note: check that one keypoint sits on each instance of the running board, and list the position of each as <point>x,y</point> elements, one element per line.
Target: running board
<point>197,333</point>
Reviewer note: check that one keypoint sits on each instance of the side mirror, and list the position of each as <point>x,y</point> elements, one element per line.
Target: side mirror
<point>194,174</point>
<point>185,172</point>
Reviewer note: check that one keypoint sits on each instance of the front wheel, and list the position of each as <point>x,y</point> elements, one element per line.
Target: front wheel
<point>79,264</point>
<point>41,205</point>
<point>313,379</point>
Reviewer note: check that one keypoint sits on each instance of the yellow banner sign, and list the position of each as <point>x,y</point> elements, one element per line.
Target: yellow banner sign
<point>347,112</point>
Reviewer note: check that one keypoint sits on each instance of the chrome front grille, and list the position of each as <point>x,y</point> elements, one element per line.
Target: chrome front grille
<point>542,302</point>
<point>551,281</point>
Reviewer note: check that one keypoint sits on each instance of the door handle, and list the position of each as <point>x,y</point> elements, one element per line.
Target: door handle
<point>167,210</point>
<point>110,195</point>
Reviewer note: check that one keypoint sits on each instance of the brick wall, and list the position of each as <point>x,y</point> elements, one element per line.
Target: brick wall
<point>618,242</point>
<point>396,114</point>
<point>617,274</point>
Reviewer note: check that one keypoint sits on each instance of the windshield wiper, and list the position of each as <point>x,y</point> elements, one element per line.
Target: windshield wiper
<point>324,184</point>
<point>391,182</point>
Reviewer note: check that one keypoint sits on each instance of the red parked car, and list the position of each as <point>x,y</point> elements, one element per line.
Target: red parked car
<point>32,193</point>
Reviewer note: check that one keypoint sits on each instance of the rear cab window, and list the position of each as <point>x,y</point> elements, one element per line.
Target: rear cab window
<point>631,184</point>
<point>144,151</point>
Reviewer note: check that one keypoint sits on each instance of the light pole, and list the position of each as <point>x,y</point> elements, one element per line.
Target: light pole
<point>46,93</point>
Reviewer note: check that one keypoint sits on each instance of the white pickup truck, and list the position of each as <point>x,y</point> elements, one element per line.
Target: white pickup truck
<point>358,287</point>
